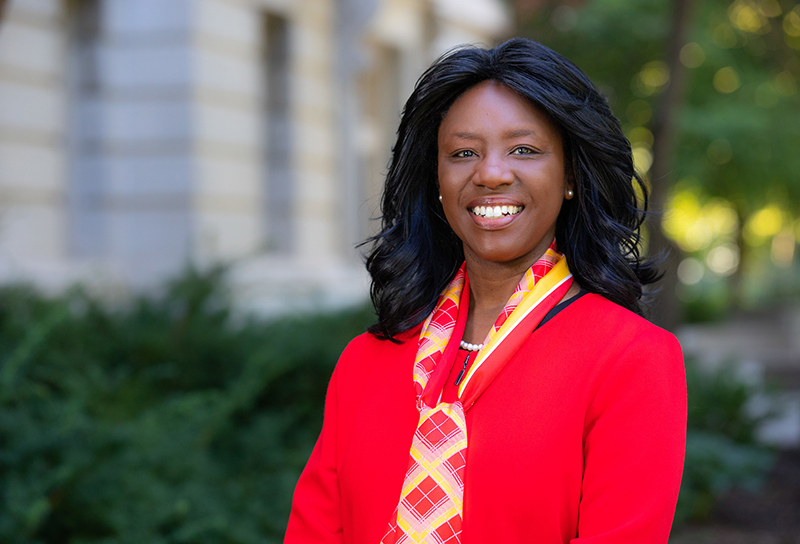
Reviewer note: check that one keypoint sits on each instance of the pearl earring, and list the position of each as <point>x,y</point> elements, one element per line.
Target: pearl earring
<point>570,194</point>
<point>440,198</point>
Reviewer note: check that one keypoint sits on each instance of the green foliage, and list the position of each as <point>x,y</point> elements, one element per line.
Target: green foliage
<point>736,120</point>
<point>738,143</point>
<point>165,421</point>
<point>756,124</point>
<point>721,451</point>
<point>173,421</point>
<point>611,41</point>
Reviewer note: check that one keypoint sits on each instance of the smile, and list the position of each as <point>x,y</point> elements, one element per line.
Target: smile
<point>495,211</point>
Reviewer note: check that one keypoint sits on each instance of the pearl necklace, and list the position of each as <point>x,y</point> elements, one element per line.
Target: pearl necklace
<point>471,347</point>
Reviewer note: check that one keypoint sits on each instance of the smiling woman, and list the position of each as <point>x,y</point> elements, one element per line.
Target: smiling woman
<point>502,181</point>
<point>509,392</point>
<point>501,175</point>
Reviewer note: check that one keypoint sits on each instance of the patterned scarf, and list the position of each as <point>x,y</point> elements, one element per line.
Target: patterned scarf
<point>431,501</point>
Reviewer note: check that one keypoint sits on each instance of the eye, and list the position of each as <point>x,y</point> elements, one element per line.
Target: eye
<point>464,154</point>
<point>523,150</point>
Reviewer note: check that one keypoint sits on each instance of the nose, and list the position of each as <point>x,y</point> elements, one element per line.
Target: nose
<point>493,172</point>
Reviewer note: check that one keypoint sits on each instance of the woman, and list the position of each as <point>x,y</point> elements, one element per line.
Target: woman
<point>509,391</point>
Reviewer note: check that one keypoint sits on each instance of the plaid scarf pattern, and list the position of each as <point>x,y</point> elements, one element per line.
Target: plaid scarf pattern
<point>431,507</point>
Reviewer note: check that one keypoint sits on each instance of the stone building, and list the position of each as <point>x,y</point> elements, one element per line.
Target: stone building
<point>137,136</point>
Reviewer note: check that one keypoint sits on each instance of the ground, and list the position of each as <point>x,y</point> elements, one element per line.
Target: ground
<point>771,516</point>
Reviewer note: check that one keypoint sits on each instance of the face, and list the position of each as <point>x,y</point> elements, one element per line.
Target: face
<point>501,175</point>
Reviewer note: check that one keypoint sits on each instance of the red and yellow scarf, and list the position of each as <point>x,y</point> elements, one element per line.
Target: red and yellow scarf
<point>431,509</point>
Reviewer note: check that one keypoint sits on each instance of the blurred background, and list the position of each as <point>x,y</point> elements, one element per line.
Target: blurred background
<point>183,184</point>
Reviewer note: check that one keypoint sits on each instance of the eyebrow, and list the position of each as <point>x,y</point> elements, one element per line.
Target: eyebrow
<point>513,134</point>
<point>521,132</point>
<point>467,136</point>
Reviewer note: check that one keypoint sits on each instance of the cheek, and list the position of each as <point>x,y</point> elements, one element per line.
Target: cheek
<point>555,185</point>
<point>450,193</point>
<point>451,213</point>
<point>456,217</point>
<point>446,178</point>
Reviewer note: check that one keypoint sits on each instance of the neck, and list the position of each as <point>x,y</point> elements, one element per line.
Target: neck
<point>490,287</point>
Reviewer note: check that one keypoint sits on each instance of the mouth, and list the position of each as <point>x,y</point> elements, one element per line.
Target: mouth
<point>490,212</point>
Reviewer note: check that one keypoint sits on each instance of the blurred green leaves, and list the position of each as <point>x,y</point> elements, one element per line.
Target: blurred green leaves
<point>172,420</point>
<point>167,420</point>
<point>738,128</point>
<point>743,74</point>
<point>721,448</point>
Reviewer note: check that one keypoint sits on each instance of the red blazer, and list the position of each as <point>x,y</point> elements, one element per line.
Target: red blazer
<point>580,438</point>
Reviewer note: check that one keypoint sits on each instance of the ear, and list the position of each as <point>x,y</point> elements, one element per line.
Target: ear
<point>569,187</point>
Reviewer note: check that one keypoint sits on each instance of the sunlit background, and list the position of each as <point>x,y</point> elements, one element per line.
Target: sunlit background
<point>181,179</point>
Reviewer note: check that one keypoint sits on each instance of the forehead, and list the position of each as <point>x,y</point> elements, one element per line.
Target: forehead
<point>492,107</point>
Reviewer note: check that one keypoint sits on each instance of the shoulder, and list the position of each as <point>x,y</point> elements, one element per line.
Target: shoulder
<point>632,361</point>
<point>600,317</point>
<point>634,349</point>
<point>366,351</point>
<point>368,364</point>
<point>367,344</point>
<point>613,341</point>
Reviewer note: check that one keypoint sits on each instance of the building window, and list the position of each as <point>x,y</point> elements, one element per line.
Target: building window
<point>279,186</point>
<point>85,192</point>
<point>379,97</point>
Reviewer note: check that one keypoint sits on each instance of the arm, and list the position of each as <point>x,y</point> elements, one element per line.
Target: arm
<point>316,516</point>
<point>634,441</point>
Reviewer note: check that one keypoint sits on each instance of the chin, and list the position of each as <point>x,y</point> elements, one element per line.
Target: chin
<point>500,256</point>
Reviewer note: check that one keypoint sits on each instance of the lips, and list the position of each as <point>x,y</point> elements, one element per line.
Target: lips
<point>490,212</point>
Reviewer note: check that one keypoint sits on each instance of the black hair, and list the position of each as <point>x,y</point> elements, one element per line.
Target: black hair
<point>416,253</point>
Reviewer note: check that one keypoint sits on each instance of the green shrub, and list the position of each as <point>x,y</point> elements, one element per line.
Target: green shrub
<point>721,450</point>
<point>173,421</point>
<point>164,422</point>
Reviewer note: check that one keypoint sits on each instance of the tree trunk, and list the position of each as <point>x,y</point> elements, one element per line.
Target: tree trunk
<point>665,308</point>
<point>736,281</point>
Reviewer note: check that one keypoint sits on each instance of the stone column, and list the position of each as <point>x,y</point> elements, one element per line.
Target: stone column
<point>32,129</point>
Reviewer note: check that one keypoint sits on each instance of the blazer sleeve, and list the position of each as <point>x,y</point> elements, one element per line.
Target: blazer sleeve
<point>634,442</point>
<point>316,505</point>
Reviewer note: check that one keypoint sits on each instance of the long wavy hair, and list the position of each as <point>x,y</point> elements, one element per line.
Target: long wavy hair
<point>416,253</point>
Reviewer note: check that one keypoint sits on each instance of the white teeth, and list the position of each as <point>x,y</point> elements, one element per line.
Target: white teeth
<point>491,212</point>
